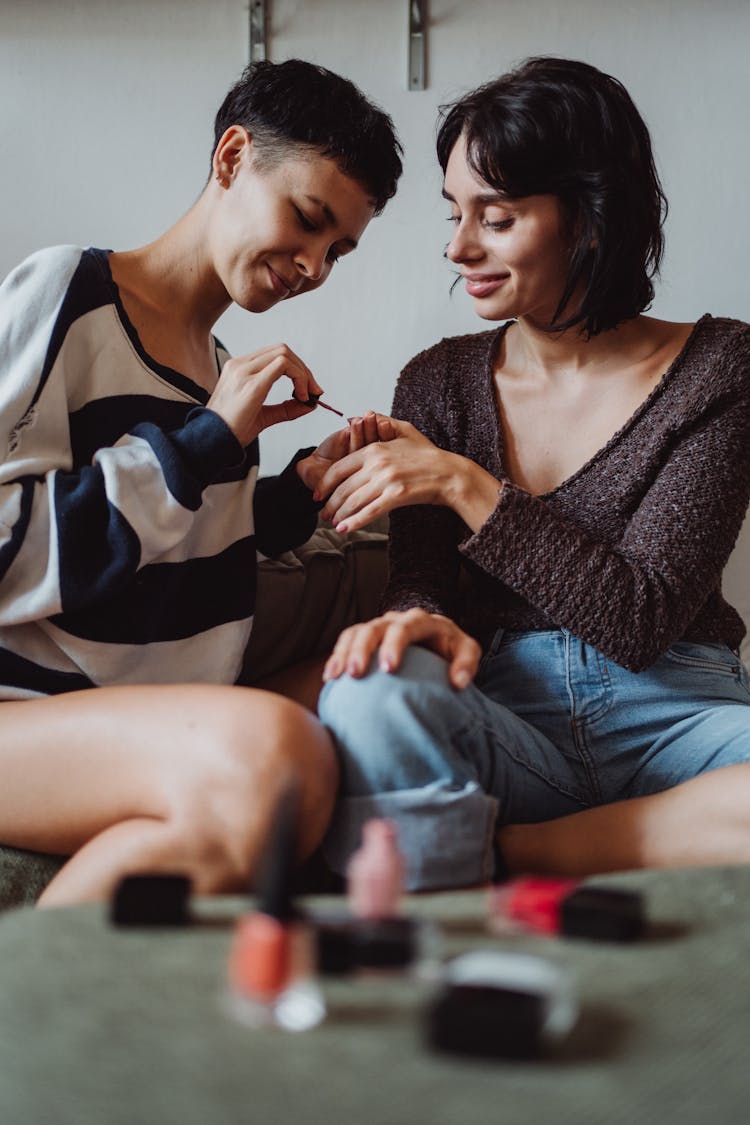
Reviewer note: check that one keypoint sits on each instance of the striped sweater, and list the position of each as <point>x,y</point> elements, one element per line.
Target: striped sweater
<point>130,515</point>
<point>628,552</point>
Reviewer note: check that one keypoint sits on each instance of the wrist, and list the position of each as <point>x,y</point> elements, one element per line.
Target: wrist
<point>307,473</point>
<point>471,492</point>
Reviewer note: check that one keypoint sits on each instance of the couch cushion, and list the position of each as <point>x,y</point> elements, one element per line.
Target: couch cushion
<point>307,596</point>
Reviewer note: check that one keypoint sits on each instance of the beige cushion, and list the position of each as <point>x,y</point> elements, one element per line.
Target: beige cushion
<point>306,597</point>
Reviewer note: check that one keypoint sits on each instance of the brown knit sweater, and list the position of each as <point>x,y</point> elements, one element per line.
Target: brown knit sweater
<point>628,552</point>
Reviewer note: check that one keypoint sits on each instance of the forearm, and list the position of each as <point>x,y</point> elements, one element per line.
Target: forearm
<point>468,489</point>
<point>284,510</point>
<point>423,560</point>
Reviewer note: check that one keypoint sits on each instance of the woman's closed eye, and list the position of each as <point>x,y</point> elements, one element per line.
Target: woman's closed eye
<point>305,223</point>
<point>488,224</point>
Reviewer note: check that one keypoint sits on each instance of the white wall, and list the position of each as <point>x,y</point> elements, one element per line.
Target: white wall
<point>106,114</point>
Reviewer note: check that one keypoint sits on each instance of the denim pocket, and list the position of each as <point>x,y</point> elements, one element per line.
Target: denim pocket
<point>705,657</point>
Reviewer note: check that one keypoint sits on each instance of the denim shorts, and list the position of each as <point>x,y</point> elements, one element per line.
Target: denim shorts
<point>550,727</point>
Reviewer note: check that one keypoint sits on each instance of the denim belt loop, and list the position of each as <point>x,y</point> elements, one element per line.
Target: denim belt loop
<point>497,640</point>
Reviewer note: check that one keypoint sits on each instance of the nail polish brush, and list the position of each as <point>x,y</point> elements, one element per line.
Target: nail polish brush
<point>314,400</point>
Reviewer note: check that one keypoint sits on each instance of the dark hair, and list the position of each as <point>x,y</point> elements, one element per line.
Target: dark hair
<point>294,105</point>
<point>559,127</point>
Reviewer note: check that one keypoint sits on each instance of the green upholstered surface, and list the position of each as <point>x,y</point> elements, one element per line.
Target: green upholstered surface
<point>114,1027</point>
<point>24,875</point>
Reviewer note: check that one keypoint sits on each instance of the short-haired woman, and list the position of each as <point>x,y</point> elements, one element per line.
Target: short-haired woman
<point>130,514</point>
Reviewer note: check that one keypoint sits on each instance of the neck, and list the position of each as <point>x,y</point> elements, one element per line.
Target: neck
<point>554,354</point>
<point>175,275</point>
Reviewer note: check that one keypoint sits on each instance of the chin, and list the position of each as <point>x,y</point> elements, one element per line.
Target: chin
<point>492,314</point>
<point>257,303</point>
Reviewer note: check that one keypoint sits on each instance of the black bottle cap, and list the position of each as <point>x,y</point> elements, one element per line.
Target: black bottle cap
<point>603,914</point>
<point>486,1021</point>
<point>335,948</point>
<point>151,900</point>
<point>347,944</point>
<point>384,943</point>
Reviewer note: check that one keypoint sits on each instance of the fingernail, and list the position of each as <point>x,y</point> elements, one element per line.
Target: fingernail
<point>461,678</point>
<point>316,495</point>
<point>353,667</point>
<point>385,664</point>
<point>342,527</point>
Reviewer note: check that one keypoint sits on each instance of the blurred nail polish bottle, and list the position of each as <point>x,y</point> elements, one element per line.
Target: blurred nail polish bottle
<point>376,937</point>
<point>272,961</point>
<point>566,907</point>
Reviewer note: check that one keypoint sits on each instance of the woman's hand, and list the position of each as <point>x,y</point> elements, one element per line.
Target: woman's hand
<point>390,636</point>
<point>245,382</point>
<point>407,469</point>
<point>403,468</point>
<point>359,433</point>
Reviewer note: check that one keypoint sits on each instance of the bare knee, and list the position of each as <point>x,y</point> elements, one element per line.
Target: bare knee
<point>260,744</point>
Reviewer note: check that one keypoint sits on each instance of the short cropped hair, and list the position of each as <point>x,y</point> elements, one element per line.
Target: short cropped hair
<point>560,127</point>
<point>294,106</point>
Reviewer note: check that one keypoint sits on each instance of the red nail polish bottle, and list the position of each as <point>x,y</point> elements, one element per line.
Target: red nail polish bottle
<point>566,906</point>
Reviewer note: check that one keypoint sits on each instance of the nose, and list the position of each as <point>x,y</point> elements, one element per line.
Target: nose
<point>464,245</point>
<point>311,262</point>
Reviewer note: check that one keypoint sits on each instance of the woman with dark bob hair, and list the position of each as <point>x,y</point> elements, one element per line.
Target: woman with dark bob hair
<point>132,514</point>
<point>565,490</point>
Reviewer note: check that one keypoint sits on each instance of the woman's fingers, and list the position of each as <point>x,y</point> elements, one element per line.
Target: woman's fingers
<point>370,427</point>
<point>386,429</point>
<point>391,635</point>
<point>464,657</point>
<point>245,382</point>
<point>354,649</point>
<point>444,637</point>
<point>356,434</point>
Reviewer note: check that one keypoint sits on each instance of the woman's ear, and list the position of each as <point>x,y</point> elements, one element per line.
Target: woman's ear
<point>234,145</point>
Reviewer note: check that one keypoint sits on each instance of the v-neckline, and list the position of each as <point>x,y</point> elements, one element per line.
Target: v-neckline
<point>176,378</point>
<point>603,451</point>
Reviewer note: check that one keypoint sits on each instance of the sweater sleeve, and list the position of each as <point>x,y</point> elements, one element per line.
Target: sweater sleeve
<point>70,536</point>
<point>423,560</point>
<point>285,512</point>
<point>634,599</point>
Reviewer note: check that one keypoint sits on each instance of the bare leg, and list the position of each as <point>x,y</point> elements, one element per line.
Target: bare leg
<point>702,822</point>
<point>179,778</point>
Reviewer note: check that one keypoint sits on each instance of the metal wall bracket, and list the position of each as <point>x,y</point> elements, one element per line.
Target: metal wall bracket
<point>417,78</point>
<point>258,15</point>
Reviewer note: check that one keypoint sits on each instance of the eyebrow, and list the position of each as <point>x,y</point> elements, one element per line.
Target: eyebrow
<point>331,219</point>
<point>480,197</point>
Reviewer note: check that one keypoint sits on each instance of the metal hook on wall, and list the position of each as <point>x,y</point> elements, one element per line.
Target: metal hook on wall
<point>417,77</point>
<point>258,16</point>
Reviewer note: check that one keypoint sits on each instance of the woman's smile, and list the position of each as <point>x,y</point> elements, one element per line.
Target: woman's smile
<point>482,285</point>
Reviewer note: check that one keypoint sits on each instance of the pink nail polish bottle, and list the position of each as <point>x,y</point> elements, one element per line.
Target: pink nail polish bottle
<point>376,872</point>
<point>376,936</point>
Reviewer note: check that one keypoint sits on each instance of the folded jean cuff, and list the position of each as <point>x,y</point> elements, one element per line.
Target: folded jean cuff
<point>447,835</point>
